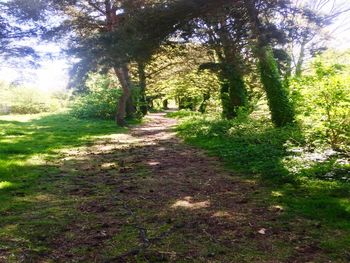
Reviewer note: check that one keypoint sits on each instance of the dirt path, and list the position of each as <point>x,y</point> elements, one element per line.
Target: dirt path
<point>147,197</point>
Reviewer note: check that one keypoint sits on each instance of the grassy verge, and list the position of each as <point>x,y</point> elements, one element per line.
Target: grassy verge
<point>32,208</point>
<point>310,183</point>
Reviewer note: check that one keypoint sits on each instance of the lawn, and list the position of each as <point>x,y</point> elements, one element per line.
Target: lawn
<point>29,145</point>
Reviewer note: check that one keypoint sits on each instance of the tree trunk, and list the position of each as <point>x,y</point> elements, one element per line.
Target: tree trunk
<point>203,106</point>
<point>299,65</point>
<point>123,77</point>
<point>282,111</point>
<point>231,76</point>
<point>142,85</point>
<point>165,104</point>
<point>130,107</point>
<point>236,94</point>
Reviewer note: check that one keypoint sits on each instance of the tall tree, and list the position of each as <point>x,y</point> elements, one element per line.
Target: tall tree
<point>225,34</point>
<point>282,111</point>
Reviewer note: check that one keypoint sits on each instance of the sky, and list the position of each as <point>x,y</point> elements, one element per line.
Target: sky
<point>53,75</point>
<point>50,75</point>
<point>340,29</point>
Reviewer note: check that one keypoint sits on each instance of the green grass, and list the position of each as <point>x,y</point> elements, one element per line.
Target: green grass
<point>314,189</point>
<point>32,209</point>
<point>182,113</point>
<point>27,142</point>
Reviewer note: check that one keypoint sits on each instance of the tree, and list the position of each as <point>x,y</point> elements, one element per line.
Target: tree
<point>172,73</point>
<point>117,32</point>
<point>282,111</point>
<point>308,37</point>
<point>12,34</point>
<point>224,32</point>
<point>90,25</point>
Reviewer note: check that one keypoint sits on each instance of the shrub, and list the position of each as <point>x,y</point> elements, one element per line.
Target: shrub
<point>324,105</point>
<point>101,100</point>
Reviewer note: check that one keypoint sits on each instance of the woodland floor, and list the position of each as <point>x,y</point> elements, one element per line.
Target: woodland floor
<point>145,196</point>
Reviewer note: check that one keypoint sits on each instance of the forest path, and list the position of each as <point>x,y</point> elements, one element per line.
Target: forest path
<point>145,196</point>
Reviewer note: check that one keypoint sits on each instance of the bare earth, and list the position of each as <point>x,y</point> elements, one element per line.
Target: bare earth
<point>147,197</point>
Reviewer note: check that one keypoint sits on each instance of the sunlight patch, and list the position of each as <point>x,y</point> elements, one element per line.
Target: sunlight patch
<point>5,184</point>
<point>187,203</point>
<point>22,118</point>
<point>36,160</point>
<point>229,215</point>
<point>222,214</point>
<point>153,163</point>
<point>114,138</point>
<point>276,194</point>
<point>276,208</point>
<point>43,198</point>
<point>108,166</point>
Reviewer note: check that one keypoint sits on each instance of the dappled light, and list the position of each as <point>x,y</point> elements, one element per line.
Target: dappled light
<point>153,163</point>
<point>276,194</point>
<point>174,131</point>
<point>92,193</point>
<point>188,203</point>
<point>5,184</point>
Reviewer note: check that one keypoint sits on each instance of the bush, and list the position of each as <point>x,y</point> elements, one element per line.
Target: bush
<point>101,100</point>
<point>324,105</point>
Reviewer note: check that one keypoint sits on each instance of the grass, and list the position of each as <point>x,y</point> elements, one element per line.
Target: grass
<point>305,183</point>
<point>27,142</point>
<point>32,209</point>
<point>40,201</point>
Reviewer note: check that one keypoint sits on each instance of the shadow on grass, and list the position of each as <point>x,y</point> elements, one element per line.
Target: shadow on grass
<point>251,148</point>
<point>106,202</point>
<point>47,134</point>
<point>261,152</point>
<point>26,144</point>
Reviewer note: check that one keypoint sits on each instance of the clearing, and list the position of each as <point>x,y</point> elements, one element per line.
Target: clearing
<point>140,195</point>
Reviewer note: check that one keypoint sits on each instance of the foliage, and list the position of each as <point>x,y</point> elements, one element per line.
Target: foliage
<point>173,73</point>
<point>192,89</point>
<point>282,111</point>
<point>233,92</point>
<point>324,104</point>
<point>182,114</point>
<point>28,100</point>
<point>100,101</point>
<point>12,31</point>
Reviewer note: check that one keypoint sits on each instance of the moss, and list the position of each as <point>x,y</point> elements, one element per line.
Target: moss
<point>233,91</point>
<point>282,111</point>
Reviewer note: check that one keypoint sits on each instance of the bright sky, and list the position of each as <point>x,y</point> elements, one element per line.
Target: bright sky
<point>340,29</point>
<point>53,73</point>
